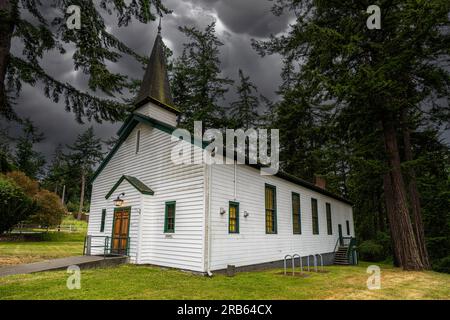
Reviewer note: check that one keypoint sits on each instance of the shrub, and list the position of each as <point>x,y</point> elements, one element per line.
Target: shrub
<point>72,207</point>
<point>371,251</point>
<point>50,210</point>
<point>15,205</point>
<point>437,247</point>
<point>384,240</point>
<point>28,185</point>
<point>442,265</point>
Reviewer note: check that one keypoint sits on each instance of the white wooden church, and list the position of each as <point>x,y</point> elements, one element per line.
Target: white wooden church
<point>202,217</point>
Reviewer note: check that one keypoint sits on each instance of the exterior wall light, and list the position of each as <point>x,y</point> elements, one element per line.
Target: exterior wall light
<point>118,202</point>
<point>222,211</point>
<point>245,214</point>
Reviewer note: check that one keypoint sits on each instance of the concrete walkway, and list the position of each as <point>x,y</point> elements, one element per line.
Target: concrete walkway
<point>84,262</point>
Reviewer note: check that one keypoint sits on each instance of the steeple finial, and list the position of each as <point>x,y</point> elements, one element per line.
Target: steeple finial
<point>155,85</point>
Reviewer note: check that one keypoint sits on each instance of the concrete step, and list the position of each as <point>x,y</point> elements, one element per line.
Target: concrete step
<point>342,263</point>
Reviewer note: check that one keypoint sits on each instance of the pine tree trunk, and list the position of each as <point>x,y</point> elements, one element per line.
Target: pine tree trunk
<point>404,238</point>
<point>390,211</point>
<point>7,9</point>
<point>83,184</point>
<point>416,212</point>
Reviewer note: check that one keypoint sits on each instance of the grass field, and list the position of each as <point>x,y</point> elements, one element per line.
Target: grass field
<point>140,282</point>
<point>54,245</point>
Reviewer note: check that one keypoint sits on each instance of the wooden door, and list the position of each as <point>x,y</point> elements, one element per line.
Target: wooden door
<point>341,242</point>
<point>121,228</point>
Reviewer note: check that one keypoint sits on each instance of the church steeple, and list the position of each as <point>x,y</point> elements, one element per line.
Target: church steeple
<point>155,84</point>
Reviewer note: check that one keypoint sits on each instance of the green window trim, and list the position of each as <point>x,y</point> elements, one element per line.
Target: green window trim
<point>348,226</point>
<point>169,219</point>
<point>296,214</point>
<point>102,223</point>
<point>329,221</point>
<point>270,209</point>
<point>233,222</point>
<point>315,216</point>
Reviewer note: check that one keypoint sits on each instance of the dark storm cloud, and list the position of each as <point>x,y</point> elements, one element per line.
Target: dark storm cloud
<point>237,22</point>
<point>251,17</point>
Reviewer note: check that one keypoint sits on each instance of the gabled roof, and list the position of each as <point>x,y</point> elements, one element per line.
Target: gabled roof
<point>134,119</point>
<point>155,84</point>
<point>135,182</point>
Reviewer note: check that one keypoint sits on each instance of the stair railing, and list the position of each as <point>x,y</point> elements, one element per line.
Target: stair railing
<point>350,250</point>
<point>337,243</point>
<point>106,245</point>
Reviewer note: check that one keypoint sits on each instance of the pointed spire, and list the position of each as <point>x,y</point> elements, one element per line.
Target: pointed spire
<point>155,84</point>
<point>159,26</point>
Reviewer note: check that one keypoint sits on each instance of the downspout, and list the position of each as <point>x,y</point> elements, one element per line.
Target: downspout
<point>139,246</point>
<point>208,188</point>
<point>235,182</point>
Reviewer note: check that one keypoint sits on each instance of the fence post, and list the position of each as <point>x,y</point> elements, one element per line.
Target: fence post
<point>89,244</point>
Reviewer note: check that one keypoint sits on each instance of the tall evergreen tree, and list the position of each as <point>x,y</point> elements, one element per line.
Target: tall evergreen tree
<point>196,82</point>
<point>244,111</point>
<point>42,30</point>
<point>86,153</point>
<point>27,159</point>
<point>375,76</point>
<point>6,157</point>
<point>57,171</point>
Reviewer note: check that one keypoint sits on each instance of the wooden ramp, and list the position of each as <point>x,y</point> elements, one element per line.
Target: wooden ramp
<point>84,262</point>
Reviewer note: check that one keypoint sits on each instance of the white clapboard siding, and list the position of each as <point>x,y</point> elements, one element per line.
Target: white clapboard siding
<point>158,113</point>
<point>170,182</point>
<point>252,245</point>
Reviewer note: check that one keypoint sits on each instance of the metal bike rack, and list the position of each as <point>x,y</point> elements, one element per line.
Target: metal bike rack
<point>321,261</point>
<point>285,265</point>
<point>300,258</point>
<point>315,262</point>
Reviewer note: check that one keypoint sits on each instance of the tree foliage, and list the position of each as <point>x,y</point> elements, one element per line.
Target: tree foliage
<point>41,28</point>
<point>360,96</point>
<point>196,82</point>
<point>86,152</point>
<point>244,111</point>
<point>49,209</point>
<point>27,159</point>
<point>28,185</point>
<point>15,205</point>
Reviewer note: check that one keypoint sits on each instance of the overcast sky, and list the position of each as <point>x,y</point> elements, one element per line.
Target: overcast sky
<point>237,22</point>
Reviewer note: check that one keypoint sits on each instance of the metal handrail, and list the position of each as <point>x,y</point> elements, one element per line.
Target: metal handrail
<point>336,246</point>
<point>350,248</point>
<point>107,245</point>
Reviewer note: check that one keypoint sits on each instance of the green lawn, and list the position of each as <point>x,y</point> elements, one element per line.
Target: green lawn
<point>141,282</point>
<point>54,245</point>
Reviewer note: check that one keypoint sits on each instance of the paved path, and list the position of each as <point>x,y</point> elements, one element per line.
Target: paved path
<point>58,264</point>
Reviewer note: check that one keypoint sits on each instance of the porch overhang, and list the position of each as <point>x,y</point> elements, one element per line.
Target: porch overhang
<point>135,182</point>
